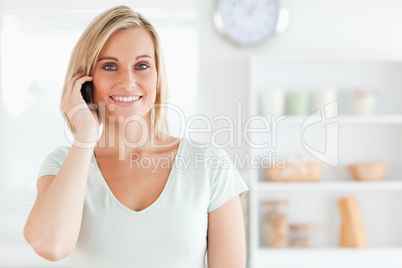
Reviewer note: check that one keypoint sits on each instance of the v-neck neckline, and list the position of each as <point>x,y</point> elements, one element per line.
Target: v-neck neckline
<point>160,197</point>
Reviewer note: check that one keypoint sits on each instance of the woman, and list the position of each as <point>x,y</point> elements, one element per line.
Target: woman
<point>137,197</point>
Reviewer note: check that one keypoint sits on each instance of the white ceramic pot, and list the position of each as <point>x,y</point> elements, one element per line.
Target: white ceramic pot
<point>324,99</point>
<point>272,102</point>
<point>364,102</point>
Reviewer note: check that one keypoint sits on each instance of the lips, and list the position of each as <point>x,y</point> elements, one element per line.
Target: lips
<point>126,100</point>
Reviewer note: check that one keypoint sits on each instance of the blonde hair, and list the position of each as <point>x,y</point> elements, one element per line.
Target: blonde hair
<point>86,52</point>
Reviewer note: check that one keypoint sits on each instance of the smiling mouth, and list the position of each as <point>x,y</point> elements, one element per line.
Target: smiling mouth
<point>126,99</point>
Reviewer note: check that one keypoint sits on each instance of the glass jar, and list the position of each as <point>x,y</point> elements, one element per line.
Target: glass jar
<point>303,235</point>
<point>276,228</point>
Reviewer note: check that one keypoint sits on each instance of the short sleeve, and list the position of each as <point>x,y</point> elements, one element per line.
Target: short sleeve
<point>226,181</point>
<point>53,162</point>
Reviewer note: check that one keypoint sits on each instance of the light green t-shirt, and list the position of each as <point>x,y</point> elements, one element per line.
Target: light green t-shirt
<point>170,233</point>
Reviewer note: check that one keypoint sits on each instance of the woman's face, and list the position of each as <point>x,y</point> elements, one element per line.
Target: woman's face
<point>125,75</point>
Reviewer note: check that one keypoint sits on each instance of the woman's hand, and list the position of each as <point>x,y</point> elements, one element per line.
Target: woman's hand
<point>83,117</point>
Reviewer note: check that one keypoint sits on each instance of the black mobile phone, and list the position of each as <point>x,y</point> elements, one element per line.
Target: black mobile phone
<point>86,91</point>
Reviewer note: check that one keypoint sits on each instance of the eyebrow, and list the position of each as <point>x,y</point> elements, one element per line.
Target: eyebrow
<point>143,56</point>
<point>108,58</point>
<point>116,59</point>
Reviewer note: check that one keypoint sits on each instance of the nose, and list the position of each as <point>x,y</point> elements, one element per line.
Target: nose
<point>127,80</point>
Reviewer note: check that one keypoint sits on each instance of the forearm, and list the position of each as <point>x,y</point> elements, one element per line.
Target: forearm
<point>55,219</point>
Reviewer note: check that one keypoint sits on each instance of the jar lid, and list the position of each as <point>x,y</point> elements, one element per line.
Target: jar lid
<point>303,226</point>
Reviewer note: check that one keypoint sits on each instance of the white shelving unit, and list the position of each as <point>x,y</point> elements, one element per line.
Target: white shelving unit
<point>361,139</point>
<point>331,257</point>
<point>344,186</point>
<point>354,119</point>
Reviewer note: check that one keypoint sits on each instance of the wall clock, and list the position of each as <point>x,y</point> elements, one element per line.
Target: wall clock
<point>248,22</point>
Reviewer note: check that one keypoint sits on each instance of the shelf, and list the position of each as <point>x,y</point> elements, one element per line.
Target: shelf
<point>335,250</point>
<point>315,57</point>
<point>375,119</point>
<point>346,119</point>
<point>330,186</point>
<point>330,257</point>
<point>355,138</point>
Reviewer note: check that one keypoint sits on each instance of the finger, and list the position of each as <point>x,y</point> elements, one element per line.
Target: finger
<point>72,82</point>
<point>80,81</point>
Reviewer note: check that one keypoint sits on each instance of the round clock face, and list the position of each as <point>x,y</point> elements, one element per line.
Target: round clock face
<point>246,22</point>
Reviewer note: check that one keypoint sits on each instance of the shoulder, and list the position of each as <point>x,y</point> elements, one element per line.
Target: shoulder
<point>203,156</point>
<point>61,150</point>
<point>53,161</point>
<point>192,147</point>
<point>59,153</point>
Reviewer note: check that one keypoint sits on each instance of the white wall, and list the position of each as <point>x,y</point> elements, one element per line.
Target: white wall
<point>316,26</point>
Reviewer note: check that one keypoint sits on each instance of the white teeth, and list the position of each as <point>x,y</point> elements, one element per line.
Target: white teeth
<point>126,99</point>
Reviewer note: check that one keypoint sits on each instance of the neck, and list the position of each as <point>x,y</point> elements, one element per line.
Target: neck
<point>124,136</point>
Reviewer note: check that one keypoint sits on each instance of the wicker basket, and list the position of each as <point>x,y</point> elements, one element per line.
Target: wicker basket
<point>296,172</point>
<point>369,172</point>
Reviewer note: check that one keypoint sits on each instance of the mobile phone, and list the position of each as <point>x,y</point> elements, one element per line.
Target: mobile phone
<point>86,91</point>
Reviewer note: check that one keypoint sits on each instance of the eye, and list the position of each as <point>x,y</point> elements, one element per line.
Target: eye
<point>142,66</point>
<point>109,67</point>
